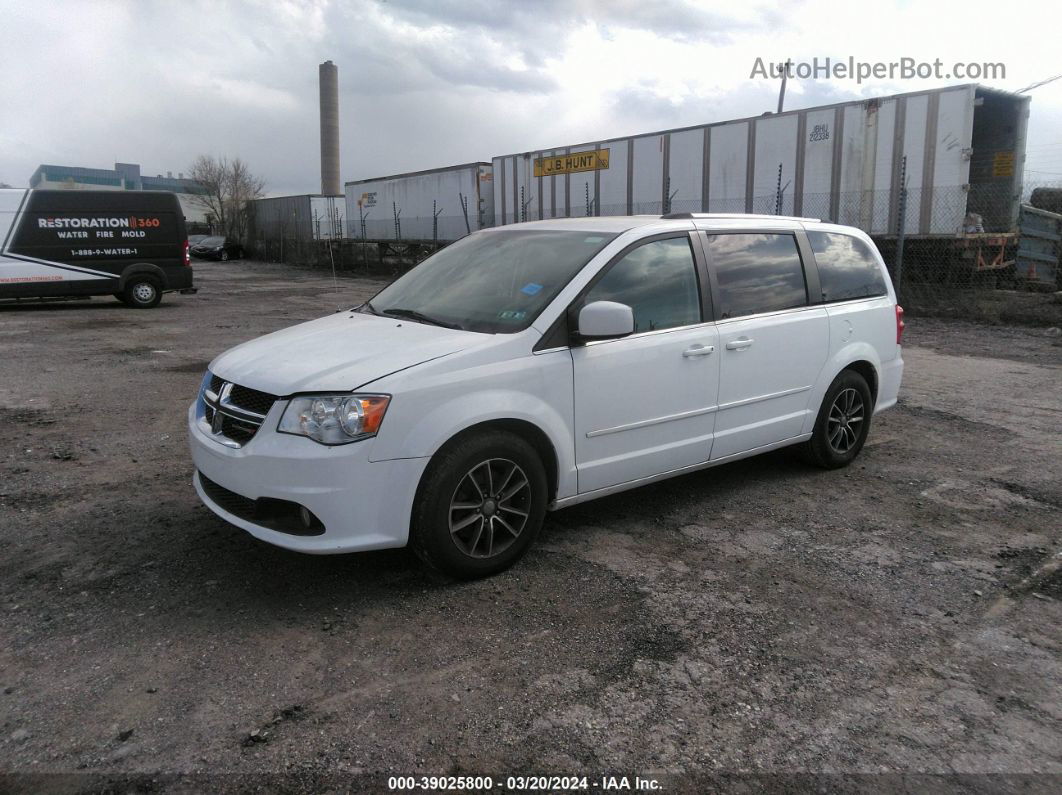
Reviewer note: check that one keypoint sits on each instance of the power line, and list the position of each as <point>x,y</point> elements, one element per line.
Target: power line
<point>1038,84</point>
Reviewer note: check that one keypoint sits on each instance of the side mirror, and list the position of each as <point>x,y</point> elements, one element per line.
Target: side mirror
<point>605,320</point>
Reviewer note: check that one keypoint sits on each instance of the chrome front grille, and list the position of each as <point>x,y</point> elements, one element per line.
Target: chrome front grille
<point>231,413</point>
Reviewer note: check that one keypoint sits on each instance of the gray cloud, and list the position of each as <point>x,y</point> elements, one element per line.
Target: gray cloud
<point>539,27</point>
<point>424,83</point>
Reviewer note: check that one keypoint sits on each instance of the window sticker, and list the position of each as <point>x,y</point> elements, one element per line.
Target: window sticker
<point>531,288</point>
<point>593,239</point>
<point>511,314</point>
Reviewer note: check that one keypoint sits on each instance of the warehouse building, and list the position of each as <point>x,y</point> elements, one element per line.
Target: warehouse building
<point>124,176</point>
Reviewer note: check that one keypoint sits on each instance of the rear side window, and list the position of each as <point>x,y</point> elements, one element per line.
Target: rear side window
<point>847,267</point>
<point>757,273</point>
<point>657,280</point>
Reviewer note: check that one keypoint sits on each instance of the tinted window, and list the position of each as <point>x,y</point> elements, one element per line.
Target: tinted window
<point>658,280</point>
<point>847,267</point>
<point>757,273</point>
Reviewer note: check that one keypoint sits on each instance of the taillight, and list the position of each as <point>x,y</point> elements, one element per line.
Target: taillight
<point>186,258</point>
<point>899,324</point>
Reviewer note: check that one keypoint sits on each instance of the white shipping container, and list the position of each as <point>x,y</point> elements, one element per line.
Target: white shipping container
<point>428,204</point>
<point>328,217</point>
<point>964,147</point>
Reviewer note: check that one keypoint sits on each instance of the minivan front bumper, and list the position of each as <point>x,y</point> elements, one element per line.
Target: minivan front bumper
<point>361,504</point>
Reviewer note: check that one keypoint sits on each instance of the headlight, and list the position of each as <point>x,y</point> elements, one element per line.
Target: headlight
<point>334,419</point>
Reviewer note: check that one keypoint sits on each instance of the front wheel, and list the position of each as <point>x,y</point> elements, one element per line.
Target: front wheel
<point>224,256</point>
<point>480,505</point>
<point>843,422</point>
<point>142,292</point>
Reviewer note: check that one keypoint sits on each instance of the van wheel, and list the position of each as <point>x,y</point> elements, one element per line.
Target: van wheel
<point>480,505</point>
<point>843,422</point>
<point>142,292</point>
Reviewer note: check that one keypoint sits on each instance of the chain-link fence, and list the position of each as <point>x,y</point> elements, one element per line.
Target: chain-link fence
<point>952,249</point>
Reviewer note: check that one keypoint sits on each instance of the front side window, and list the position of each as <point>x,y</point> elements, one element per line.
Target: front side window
<point>847,267</point>
<point>493,282</point>
<point>658,280</point>
<point>756,273</point>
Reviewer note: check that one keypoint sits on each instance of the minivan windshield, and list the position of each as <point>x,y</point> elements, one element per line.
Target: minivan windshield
<point>494,282</point>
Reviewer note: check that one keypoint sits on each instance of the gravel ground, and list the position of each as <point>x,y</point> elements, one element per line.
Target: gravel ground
<point>763,618</point>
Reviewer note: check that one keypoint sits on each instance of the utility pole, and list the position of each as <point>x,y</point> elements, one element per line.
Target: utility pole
<point>785,75</point>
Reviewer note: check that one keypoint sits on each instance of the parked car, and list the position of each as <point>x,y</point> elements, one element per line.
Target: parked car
<point>59,243</point>
<point>217,247</point>
<point>535,366</point>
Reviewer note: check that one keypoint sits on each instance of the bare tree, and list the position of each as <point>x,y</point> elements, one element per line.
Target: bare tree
<point>227,187</point>
<point>210,172</point>
<point>244,187</point>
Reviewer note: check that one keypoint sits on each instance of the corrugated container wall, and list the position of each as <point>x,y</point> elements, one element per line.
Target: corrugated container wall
<point>305,217</point>
<point>428,204</point>
<point>965,148</point>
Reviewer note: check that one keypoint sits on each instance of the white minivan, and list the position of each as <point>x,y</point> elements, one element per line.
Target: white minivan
<point>535,366</point>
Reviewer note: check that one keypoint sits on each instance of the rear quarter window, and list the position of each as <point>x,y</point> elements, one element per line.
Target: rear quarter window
<point>847,267</point>
<point>756,272</point>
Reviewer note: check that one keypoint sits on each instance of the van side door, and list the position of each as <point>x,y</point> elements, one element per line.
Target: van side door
<point>645,403</point>
<point>773,344</point>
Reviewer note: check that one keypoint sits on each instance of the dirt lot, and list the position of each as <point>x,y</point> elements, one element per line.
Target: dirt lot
<point>901,616</point>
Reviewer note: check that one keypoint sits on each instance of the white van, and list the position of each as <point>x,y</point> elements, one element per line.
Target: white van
<point>535,366</point>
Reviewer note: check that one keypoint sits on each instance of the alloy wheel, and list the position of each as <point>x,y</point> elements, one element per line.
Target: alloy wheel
<point>490,508</point>
<point>845,420</point>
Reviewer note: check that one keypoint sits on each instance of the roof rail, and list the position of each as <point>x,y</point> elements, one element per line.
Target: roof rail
<point>691,216</point>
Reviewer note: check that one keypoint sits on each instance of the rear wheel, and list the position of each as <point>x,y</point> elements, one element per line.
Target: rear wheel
<point>480,505</point>
<point>142,292</point>
<point>843,422</point>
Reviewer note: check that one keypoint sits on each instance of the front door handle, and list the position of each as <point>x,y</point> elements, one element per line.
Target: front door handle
<point>698,350</point>
<point>739,344</point>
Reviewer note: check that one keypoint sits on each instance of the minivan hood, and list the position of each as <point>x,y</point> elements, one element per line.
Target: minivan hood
<point>337,353</point>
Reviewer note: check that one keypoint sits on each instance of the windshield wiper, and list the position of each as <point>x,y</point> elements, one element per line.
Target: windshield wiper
<point>413,314</point>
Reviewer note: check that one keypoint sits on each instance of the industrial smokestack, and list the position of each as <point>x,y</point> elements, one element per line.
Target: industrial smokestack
<point>328,76</point>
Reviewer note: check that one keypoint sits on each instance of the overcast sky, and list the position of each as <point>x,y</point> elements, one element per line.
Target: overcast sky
<point>428,83</point>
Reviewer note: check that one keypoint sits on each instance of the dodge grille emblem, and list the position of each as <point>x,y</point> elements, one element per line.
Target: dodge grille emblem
<point>223,396</point>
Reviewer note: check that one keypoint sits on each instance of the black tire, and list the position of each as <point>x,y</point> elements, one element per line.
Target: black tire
<point>484,457</point>
<point>838,438</point>
<point>142,292</point>
<point>224,256</point>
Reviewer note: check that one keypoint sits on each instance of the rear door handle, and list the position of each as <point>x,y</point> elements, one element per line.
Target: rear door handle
<point>698,350</point>
<point>739,344</point>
